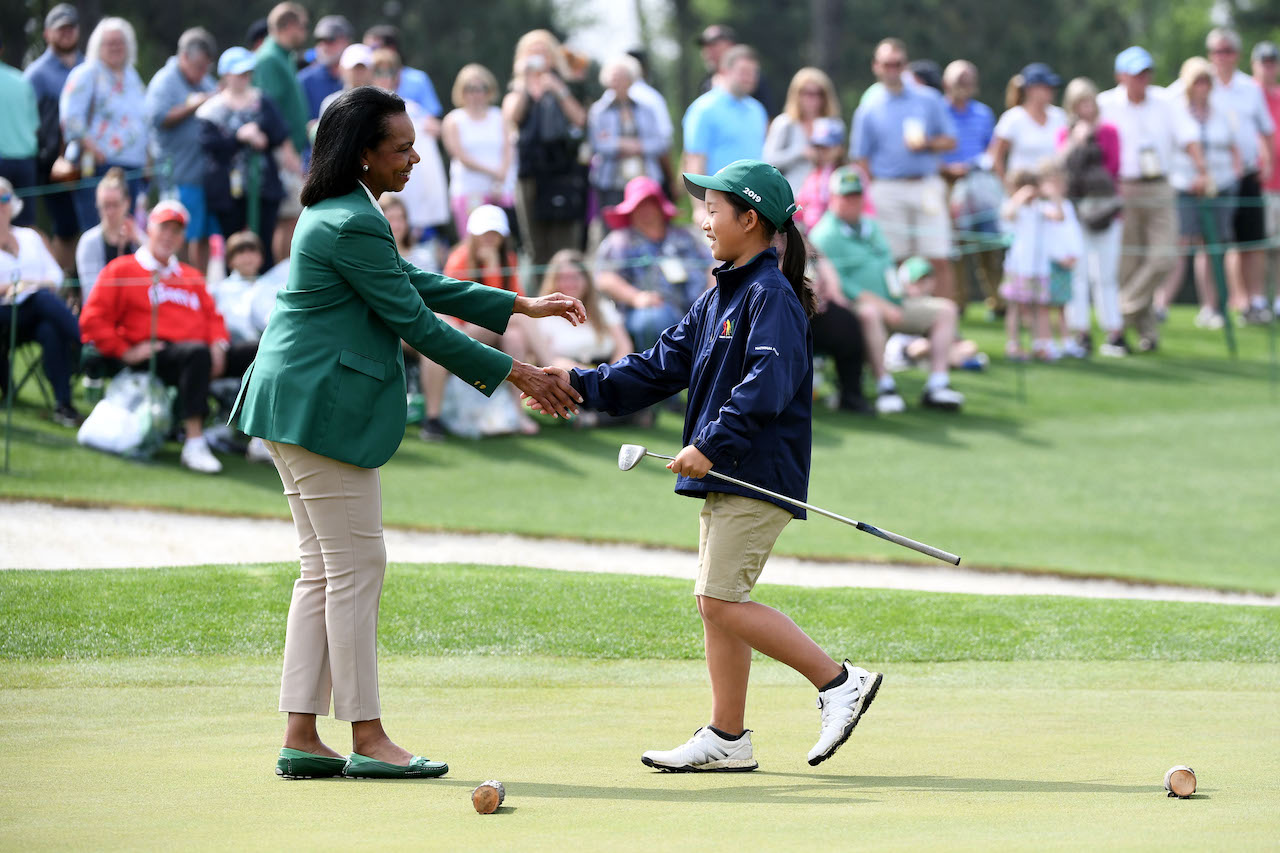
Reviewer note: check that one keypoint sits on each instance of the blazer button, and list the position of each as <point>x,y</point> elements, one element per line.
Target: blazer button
<point>484,387</point>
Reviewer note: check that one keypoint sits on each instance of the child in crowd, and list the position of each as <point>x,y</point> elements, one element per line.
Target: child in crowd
<point>902,350</point>
<point>424,256</point>
<point>745,352</point>
<point>827,140</point>
<point>1066,245</point>
<point>1027,216</point>
<point>236,294</point>
<point>602,339</point>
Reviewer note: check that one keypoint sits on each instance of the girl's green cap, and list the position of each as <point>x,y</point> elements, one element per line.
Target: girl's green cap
<point>758,184</point>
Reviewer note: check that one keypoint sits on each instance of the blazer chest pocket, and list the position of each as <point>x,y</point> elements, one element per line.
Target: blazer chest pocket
<point>363,364</point>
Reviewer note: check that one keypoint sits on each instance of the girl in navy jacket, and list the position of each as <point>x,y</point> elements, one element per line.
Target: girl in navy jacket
<point>745,352</point>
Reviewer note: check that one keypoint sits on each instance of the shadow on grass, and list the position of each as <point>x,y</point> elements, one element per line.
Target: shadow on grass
<point>808,789</point>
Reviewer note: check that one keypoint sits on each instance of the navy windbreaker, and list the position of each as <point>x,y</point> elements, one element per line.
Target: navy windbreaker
<point>745,352</point>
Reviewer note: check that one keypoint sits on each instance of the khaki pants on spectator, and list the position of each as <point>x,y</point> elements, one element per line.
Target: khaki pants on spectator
<point>987,268</point>
<point>331,641</point>
<point>1149,250</point>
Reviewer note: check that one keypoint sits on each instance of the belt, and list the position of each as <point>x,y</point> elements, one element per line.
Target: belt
<point>904,178</point>
<point>1145,180</point>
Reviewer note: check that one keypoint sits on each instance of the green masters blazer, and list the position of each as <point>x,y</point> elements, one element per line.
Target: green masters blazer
<point>329,374</point>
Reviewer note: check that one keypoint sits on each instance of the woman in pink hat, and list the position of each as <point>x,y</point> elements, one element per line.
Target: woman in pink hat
<point>651,269</point>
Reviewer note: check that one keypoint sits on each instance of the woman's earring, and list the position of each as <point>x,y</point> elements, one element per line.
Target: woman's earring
<point>365,167</point>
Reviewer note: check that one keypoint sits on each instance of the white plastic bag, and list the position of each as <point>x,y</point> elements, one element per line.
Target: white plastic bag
<point>468,413</point>
<point>132,419</point>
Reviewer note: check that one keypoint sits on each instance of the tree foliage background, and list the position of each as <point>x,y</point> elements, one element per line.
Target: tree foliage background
<point>1077,37</point>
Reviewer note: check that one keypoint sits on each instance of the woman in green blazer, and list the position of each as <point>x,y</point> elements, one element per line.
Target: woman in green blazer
<point>327,395</point>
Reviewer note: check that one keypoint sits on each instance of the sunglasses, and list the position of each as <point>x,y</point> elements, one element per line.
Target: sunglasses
<point>813,93</point>
<point>480,89</point>
<point>6,198</point>
<point>892,63</point>
<point>1223,51</point>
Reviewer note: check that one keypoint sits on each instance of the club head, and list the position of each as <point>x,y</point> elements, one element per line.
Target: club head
<point>629,456</point>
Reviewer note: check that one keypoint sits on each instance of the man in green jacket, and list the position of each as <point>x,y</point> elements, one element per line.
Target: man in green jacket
<point>276,73</point>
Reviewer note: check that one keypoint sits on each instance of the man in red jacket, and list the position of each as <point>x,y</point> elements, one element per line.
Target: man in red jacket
<point>191,341</point>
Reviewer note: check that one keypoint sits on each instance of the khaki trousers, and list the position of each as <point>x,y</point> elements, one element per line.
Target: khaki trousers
<point>331,641</point>
<point>1149,251</point>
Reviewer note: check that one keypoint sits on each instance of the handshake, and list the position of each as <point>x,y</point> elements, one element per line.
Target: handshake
<point>547,389</point>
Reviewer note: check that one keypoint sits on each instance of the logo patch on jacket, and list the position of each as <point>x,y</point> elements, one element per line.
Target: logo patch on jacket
<point>726,331</point>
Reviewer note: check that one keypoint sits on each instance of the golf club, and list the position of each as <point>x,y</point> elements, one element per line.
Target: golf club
<point>629,455</point>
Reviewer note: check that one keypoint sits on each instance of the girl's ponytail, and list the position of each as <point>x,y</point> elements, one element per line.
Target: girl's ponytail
<point>794,261</point>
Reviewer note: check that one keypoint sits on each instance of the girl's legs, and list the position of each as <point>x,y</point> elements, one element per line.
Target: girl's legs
<point>1013,334</point>
<point>737,627</point>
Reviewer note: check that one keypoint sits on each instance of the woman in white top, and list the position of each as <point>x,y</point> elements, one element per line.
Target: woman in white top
<point>810,96</point>
<point>29,277</point>
<point>480,146</point>
<point>1027,133</point>
<point>601,340</point>
<point>114,236</point>
<point>1202,197</point>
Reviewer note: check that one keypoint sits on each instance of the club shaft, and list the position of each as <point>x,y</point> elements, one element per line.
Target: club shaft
<point>887,535</point>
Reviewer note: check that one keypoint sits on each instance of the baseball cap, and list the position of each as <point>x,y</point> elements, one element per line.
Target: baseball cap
<point>1134,60</point>
<point>1265,51</point>
<point>15,203</point>
<point>846,181</point>
<point>486,218</point>
<point>62,15</point>
<point>913,269</point>
<point>717,32</point>
<point>760,185</point>
<point>827,131</point>
<point>169,210</point>
<point>1039,74</point>
<point>356,54</point>
<point>236,60</point>
<point>332,27</point>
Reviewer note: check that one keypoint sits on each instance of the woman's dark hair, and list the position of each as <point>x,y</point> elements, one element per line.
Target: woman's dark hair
<point>356,120</point>
<point>794,259</point>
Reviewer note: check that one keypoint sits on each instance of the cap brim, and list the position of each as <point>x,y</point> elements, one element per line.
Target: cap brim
<point>697,185</point>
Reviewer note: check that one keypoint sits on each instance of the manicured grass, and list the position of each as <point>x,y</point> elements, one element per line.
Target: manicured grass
<point>1157,467</point>
<point>166,753</point>
<point>479,611</point>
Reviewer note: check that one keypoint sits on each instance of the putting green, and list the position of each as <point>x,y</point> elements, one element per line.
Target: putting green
<point>178,753</point>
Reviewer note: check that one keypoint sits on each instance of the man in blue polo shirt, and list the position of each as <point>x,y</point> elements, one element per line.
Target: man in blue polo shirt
<point>321,78</point>
<point>726,123</point>
<point>898,133</point>
<point>47,75</point>
<point>414,84</point>
<point>174,94</point>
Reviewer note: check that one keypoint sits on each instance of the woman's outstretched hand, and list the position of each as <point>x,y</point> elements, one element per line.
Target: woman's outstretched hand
<point>551,305</point>
<point>546,388</point>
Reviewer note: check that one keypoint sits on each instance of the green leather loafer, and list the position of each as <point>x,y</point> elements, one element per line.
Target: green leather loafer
<point>296,764</point>
<point>363,767</point>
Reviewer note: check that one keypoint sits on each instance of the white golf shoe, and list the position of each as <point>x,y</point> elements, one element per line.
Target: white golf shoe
<point>705,751</point>
<point>841,708</point>
<point>197,456</point>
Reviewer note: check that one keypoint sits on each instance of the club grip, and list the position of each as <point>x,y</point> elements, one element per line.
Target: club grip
<point>890,536</point>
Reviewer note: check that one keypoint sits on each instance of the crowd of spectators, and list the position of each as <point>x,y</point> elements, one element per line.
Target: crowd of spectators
<point>170,202</point>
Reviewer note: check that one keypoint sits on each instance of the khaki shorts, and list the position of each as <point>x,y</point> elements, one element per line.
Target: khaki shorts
<point>913,216</point>
<point>919,314</point>
<point>736,537</point>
